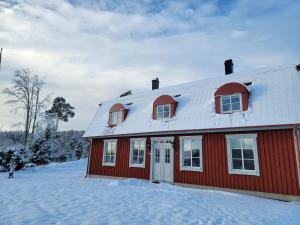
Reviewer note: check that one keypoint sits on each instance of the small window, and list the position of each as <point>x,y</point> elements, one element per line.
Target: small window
<point>163,111</point>
<point>116,117</point>
<point>137,152</point>
<point>157,155</point>
<point>231,103</point>
<point>191,153</point>
<point>109,153</point>
<point>242,154</point>
<point>167,155</point>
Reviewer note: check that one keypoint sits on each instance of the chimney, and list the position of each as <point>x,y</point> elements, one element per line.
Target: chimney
<point>155,84</point>
<point>228,66</point>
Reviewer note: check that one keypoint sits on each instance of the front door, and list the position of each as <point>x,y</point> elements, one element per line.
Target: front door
<point>162,160</point>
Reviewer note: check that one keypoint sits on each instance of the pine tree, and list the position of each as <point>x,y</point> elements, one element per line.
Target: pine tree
<point>61,110</point>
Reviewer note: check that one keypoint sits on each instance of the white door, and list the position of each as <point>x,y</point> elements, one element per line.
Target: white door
<point>162,161</point>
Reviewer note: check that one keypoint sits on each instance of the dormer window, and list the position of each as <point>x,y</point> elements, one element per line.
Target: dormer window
<point>231,103</point>
<point>117,114</point>
<point>116,117</point>
<point>164,107</point>
<point>231,97</point>
<point>163,111</point>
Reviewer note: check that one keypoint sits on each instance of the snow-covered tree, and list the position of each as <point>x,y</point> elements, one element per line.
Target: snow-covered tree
<point>61,110</point>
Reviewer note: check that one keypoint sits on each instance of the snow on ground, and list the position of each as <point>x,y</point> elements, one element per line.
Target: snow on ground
<point>59,194</point>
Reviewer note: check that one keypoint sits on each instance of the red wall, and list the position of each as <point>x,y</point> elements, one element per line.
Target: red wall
<point>277,162</point>
<point>121,169</point>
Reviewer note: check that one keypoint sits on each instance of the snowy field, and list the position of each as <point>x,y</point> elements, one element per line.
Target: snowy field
<point>59,194</point>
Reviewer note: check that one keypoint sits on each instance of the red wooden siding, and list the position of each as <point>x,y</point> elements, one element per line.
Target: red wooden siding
<point>121,169</point>
<point>276,153</point>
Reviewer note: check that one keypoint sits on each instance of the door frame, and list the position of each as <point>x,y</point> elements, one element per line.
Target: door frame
<point>152,154</point>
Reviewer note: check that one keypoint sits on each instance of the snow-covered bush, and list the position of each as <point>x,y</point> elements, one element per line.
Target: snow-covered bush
<point>15,155</point>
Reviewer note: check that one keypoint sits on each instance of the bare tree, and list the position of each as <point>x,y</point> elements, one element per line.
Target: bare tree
<point>24,95</point>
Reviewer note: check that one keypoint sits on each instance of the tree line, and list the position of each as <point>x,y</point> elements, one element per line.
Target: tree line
<point>39,142</point>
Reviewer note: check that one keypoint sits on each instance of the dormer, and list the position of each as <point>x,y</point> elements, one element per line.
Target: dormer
<point>231,97</point>
<point>164,107</point>
<point>117,114</point>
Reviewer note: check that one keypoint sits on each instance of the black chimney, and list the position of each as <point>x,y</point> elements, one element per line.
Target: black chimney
<point>228,66</point>
<point>155,84</point>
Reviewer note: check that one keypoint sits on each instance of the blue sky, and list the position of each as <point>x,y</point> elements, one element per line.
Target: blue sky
<point>90,51</point>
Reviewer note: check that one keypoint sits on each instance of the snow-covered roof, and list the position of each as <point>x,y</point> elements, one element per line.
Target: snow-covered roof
<point>274,100</point>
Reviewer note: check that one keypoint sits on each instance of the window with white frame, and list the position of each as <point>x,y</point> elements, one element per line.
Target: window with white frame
<point>116,117</point>
<point>109,153</point>
<point>163,111</point>
<point>137,152</point>
<point>191,153</point>
<point>242,154</point>
<point>231,103</point>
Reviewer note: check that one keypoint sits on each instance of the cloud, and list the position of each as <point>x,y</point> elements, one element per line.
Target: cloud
<point>90,51</point>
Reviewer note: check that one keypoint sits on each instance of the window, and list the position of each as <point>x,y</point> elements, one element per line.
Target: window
<point>167,155</point>
<point>109,153</point>
<point>163,111</point>
<point>231,103</point>
<point>242,154</point>
<point>116,117</point>
<point>157,155</point>
<point>191,153</point>
<point>137,152</point>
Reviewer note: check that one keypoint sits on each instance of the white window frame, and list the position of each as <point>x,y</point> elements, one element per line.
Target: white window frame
<point>131,152</point>
<point>104,152</point>
<point>230,96</point>
<point>163,107</point>
<point>119,117</point>
<point>190,168</point>
<point>255,154</point>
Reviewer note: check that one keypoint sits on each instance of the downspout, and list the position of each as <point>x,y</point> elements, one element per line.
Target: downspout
<point>89,158</point>
<point>297,150</point>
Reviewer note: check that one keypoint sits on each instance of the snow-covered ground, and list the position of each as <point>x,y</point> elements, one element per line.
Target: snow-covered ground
<point>59,194</point>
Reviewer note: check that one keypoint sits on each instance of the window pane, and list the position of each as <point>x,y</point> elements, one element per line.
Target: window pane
<point>196,162</point>
<point>142,153</point>
<point>187,162</point>
<point>226,108</point>
<point>225,100</point>
<point>136,144</point>
<point>247,143</point>
<point>187,154</point>
<point>195,144</point>
<point>235,99</point>
<point>107,159</point>
<point>248,154</point>
<point>135,159</point>
<point>112,159</point>
<point>187,145</point>
<point>135,152</point>
<point>113,146</point>
<point>166,111</point>
<point>160,111</point>
<point>196,153</point>
<point>236,106</point>
<point>236,143</point>
<point>142,145</point>
<point>141,160</point>
<point>236,153</point>
<point>237,164</point>
<point>249,165</point>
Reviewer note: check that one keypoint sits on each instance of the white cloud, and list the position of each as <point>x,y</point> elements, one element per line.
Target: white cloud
<point>92,51</point>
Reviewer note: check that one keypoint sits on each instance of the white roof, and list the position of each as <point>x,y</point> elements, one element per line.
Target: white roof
<point>274,100</point>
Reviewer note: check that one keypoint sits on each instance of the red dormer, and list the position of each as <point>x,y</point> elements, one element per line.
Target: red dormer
<point>164,107</point>
<point>117,114</point>
<point>231,97</point>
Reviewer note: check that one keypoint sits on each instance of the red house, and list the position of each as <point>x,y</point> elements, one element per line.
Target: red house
<point>235,132</point>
